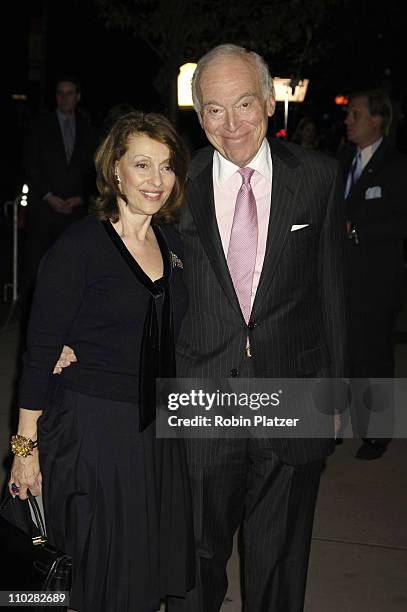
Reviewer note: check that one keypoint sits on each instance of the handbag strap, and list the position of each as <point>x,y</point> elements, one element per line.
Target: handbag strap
<point>39,519</point>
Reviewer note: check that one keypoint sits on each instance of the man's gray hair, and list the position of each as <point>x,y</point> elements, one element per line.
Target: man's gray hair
<point>266,82</point>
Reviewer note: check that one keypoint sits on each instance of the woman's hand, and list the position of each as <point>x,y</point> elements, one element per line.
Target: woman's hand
<point>25,474</point>
<point>66,357</point>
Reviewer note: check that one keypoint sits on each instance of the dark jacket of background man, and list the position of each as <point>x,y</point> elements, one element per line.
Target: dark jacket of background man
<point>59,187</point>
<point>375,175</point>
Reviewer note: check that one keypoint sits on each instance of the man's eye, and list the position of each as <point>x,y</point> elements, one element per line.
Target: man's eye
<point>215,111</point>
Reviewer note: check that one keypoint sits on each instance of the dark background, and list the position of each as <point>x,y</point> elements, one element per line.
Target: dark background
<point>44,38</point>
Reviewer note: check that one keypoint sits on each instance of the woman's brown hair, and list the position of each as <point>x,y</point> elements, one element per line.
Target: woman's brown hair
<point>114,146</point>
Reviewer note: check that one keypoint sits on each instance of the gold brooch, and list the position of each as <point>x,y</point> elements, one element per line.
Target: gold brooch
<point>175,261</point>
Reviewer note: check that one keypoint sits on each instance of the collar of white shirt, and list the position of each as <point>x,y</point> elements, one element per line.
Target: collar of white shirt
<point>223,169</point>
<point>62,117</point>
<point>368,152</point>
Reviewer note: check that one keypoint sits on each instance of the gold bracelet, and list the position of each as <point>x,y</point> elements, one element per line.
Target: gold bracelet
<point>22,446</point>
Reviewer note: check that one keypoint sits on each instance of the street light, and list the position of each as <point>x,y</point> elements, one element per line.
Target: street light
<point>184,85</point>
<point>287,91</point>
<point>24,197</point>
<point>21,199</point>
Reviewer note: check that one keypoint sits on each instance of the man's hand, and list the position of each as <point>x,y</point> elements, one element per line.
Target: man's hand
<point>57,203</point>
<point>73,202</point>
<point>65,359</point>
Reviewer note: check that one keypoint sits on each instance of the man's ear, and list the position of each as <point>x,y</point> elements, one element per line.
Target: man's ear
<point>78,98</point>
<point>200,119</point>
<point>377,121</point>
<point>271,103</point>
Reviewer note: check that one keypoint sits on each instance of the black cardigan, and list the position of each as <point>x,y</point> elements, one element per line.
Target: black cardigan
<point>93,296</point>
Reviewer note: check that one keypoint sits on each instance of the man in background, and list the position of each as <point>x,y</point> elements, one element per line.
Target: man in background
<point>58,165</point>
<point>375,175</point>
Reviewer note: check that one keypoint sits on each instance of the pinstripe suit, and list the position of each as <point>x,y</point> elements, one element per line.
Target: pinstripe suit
<point>296,329</point>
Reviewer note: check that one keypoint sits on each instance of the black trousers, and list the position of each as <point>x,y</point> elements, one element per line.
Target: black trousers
<point>371,352</point>
<point>371,344</point>
<point>239,480</point>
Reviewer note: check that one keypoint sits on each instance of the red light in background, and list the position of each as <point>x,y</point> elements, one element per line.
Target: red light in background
<point>341,100</point>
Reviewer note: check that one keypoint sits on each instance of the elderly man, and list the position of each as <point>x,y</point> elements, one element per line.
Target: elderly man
<point>264,228</point>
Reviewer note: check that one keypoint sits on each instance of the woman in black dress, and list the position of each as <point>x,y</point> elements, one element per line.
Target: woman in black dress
<point>115,498</point>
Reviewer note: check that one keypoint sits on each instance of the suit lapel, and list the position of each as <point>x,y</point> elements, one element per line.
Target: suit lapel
<point>201,202</point>
<point>285,184</point>
<point>371,169</point>
<point>200,199</point>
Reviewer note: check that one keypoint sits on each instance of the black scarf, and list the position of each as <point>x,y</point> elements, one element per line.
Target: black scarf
<point>157,356</point>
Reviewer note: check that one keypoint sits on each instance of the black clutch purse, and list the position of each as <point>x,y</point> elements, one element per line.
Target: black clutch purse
<point>30,563</point>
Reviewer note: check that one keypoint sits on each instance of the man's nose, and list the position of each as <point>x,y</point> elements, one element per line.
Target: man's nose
<point>232,120</point>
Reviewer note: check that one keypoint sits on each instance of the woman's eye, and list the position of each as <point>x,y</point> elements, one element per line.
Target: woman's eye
<point>167,169</point>
<point>141,165</point>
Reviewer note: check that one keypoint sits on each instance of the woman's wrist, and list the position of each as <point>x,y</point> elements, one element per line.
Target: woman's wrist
<point>27,433</point>
<point>23,446</point>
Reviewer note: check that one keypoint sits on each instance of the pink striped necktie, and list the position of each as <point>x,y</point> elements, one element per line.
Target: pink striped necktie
<point>242,250</point>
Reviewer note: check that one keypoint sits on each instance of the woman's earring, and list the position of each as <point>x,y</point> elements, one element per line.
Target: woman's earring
<point>117,177</point>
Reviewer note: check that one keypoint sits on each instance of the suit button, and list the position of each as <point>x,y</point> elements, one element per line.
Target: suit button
<point>252,324</point>
<point>234,373</point>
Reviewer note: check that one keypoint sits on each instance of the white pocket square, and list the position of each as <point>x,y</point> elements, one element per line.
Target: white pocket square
<point>294,228</point>
<point>373,192</point>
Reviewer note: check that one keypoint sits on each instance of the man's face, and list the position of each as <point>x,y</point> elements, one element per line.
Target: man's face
<point>67,97</point>
<point>362,128</point>
<point>234,113</point>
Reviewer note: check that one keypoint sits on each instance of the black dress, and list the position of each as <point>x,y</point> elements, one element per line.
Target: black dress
<point>116,499</point>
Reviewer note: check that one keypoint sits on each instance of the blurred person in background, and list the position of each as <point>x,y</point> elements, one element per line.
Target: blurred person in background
<point>375,175</point>
<point>59,170</point>
<point>306,133</point>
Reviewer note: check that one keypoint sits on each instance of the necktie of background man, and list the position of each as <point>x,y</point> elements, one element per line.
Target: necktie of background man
<point>354,173</point>
<point>69,138</point>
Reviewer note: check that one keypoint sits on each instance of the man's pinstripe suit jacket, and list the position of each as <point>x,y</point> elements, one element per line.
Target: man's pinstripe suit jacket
<point>297,326</point>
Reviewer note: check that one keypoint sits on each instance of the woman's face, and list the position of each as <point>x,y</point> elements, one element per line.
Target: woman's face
<point>145,175</point>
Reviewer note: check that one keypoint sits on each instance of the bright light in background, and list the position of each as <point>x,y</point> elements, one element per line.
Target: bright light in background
<point>341,100</point>
<point>284,93</point>
<point>284,90</point>
<point>184,85</point>
<point>24,197</point>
